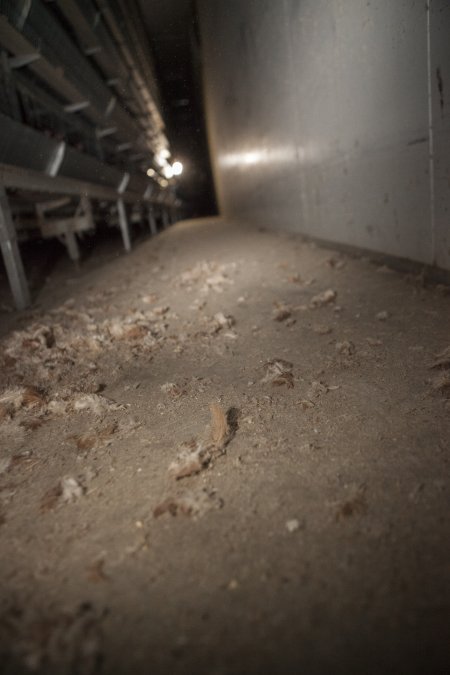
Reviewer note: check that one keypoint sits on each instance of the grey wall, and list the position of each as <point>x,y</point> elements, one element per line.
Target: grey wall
<point>332,117</point>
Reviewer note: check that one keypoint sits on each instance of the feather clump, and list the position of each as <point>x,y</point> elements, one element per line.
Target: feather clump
<point>196,455</point>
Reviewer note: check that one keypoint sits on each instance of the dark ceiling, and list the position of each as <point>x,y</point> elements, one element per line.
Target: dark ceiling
<point>174,39</point>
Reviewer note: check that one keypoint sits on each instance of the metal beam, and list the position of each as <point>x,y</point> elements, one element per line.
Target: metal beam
<point>124,226</point>
<point>56,77</point>
<point>56,160</point>
<point>19,46</point>
<point>76,107</point>
<point>27,179</point>
<point>23,60</point>
<point>11,254</point>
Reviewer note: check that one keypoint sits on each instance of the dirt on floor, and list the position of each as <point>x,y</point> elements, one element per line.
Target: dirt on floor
<point>225,453</point>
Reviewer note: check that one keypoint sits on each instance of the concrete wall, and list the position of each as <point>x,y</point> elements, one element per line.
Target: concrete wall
<point>332,117</point>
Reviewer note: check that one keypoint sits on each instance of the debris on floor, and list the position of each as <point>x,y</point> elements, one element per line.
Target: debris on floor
<point>278,373</point>
<point>211,275</point>
<point>282,312</point>
<point>5,463</point>
<point>335,263</point>
<point>324,298</point>
<point>346,347</point>
<point>220,431</point>
<point>441,385</point>
<point>305,403</point>
<point>99,389</point>
<point>321,329</point>
<point>441,361</point>
<point>192,504</point>
<point>96,572</point>
<point>195,455</point>
<point>95,438</point>
<point>93,403</point>
<point>382,316</point>
<point>319,388</point>
<point>172,389</point>
<point>356,505</point>
<point>292,525</point>
<point>374,342</point>
<point>12,400</point>
<point>71,489</point>
<point>220,321</point>
<point>51,498</point>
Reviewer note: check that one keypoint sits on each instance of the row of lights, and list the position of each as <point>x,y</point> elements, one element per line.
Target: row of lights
<point>175,169</point>
<point>168,170</point>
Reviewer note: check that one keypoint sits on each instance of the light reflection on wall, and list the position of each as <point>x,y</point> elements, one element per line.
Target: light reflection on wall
<point>291,155</point>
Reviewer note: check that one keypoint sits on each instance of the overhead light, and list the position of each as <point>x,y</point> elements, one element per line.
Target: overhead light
<point>150,172</point>
<point>168,171</point>
<point>177,168</point>
<point>164,183</point>
<point>162,156</point>
<point>159,159</point>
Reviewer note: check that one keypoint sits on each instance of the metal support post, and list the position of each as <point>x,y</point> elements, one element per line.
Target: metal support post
<point>123,222</point>
<point>71,244</point>
<point>165,217</point>
<point>152,220</point>
<point>11,254</point>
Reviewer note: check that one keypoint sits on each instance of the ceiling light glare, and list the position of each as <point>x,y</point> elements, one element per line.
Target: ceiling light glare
<point>150,172</point>
<point>177,168</point>
<point>160,160</point>
<point>168,171</point>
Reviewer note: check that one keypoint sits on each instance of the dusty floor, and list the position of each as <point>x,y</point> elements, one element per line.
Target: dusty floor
<point>316,541</point>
